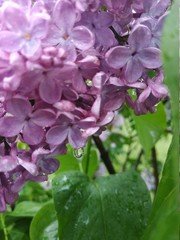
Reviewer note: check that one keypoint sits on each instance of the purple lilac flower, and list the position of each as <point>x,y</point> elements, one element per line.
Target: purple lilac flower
<point>65,68</point>
<point>23,119</point>
<point>135,57</point>
<point>22,32</point>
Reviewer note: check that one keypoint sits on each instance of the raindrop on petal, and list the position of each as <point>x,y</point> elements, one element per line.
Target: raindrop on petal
<point>133,92</point>
<point>89,82</point>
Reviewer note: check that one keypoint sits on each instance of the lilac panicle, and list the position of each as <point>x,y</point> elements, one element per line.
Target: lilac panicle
<point>65,67</point>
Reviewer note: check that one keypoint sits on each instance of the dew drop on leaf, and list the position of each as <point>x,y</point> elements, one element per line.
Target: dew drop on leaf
<point>78,153</point>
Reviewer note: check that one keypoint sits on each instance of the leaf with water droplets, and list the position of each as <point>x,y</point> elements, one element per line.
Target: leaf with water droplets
<point>68,162</point>
<point>78,153</point>
<point>108,208</point>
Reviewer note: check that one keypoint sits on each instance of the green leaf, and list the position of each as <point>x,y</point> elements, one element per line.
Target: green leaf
<point>164,220</point>
<point>108,208</point>
<point>150,127</point>
<point>26,209</point>
<point>32,191</point>
<point>44,225</point>
<point>68,162</point>
<point>18,228</point>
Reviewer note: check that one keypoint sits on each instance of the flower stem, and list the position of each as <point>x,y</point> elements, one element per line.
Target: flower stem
<point>88,155</point>
<point>4,227</point>
<point>104,155</point>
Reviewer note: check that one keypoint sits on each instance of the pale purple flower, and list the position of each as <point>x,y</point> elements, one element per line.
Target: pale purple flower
<point>84,5</point>
<point>64,33</point>
<point>135,57</point>
<point>65,129</point>
<point>22,32</point>
<point>99,23</point>
<point>23,119</point>
<point>155,8</point>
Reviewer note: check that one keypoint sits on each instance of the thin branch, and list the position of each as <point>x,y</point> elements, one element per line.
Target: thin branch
<point>121,39</point>
<point>88,155</point>
<point>104,155</point>
<point>155,167</point>
<point>138,159</point>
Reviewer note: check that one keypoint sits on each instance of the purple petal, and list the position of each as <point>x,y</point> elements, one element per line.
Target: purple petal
<point>57,135</point>
<point>10,41</point>
<point>10,196</point>
<point>32,134</point>
<point>87,122</point>
<point>64,15</point>
<point>150,57</point>
<point>134,70</point>
<point>96,107</point>
<point>18,184</point>
<point>40,26</point>
<point>75,138</point>
<point>70,50</point>
<point>106,119</point>
<point>15,19</point>
<point>139,38</point>
<point>44,117</point>
<point>117,57</point>
<point>29,166</point>
<point>10,126</point>
<point>147,5</point>
<point>114,103</point>
<point>159,8</point>
<point>19,107</point>
<point>104,19</point>
<point>49,91</point>
<point>31,48</point>
<point>82,38</point>
<point>159,90</point>
<point>144,95</point>
<point>49,165</point>
<point>90,131</point>
<point>71,94</point>
<point>105,37</point>
<point>81,86</point>
<point>2,202</point>
<point>8,163</point>
<point>24,3</point>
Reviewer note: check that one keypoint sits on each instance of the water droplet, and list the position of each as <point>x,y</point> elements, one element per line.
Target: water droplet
<point>65,187</point>
<point>66,207</point>
<point>89,83</point>
<point>86,221</point>
<point>133,92</point>
<point>64,179</point>
<point>78,153</point>
<point>10,181</point>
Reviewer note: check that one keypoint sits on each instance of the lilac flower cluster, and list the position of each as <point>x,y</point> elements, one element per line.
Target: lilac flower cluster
<point>65,67</point>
